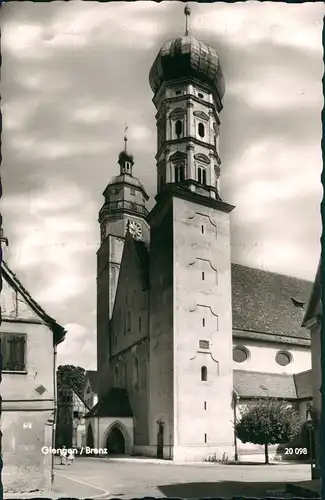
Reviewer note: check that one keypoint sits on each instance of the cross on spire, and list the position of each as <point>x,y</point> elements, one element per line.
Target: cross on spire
<point>125,136</point>
<point>187,12</point>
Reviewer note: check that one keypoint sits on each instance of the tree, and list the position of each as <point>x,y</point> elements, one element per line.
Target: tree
<point>73,377</point>
<point>268,421</point>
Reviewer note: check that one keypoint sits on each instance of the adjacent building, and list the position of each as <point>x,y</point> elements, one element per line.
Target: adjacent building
<point>313,321</point>
<point>181,328</point>
<point>29,337</point>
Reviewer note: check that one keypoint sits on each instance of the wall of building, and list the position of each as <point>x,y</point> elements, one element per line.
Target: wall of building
<point>202,309</point>
<point>25,412</point>
<point>161,305</point>
<point>262,357</point>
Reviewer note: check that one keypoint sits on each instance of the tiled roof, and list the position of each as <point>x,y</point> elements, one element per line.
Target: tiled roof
<point>257,385</point>
<point>303,383</point>
<point>115,404</point>
<point>93,379</point>
<point>58,330</point>
<point>262,302</point>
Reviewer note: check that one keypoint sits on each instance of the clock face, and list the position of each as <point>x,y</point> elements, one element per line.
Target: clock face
<point>134,228</point>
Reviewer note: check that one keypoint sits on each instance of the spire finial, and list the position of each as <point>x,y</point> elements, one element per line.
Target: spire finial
<point>125,136</point>
<point>187,12</point>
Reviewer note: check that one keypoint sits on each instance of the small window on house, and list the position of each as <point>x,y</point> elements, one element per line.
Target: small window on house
<point>204,374</point>
<point>178,92</point>
<point>13,349</point>
<point>205,405</point>
<point>202,229</point>
<point>75,414</point>
<point>283,358</point>
<point>127,166</point>
<point>202,175</point>
<point>203,321</point>
<point>178,128</point>
<point>132,191</point>
<point>205,438</point>
<point>201,96</point>
<point>202,275</point>
<point>201,130</point>
<point>179,173</point>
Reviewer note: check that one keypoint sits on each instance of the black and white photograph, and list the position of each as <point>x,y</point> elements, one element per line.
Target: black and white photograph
<point>161,249</point>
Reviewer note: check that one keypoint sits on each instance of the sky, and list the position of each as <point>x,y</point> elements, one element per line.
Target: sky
<point>73,73</point>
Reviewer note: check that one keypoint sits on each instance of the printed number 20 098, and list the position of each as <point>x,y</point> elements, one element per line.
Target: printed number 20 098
<point>295,451</point>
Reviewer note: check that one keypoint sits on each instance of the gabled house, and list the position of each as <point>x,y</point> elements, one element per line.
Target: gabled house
<point>29,337</point>
<point>91,391</point>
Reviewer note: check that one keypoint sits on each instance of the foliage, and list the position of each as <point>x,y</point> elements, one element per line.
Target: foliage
<point>268,421</point>
<point>71,376</point>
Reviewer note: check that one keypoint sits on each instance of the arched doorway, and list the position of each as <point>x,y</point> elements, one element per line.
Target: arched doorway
<point>115,442</point>
<point>90,437</point>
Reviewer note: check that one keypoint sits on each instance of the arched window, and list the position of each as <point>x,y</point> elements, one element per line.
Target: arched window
<point>116,377</point>
<point>161,181</point>
<point>201,175</point>
<point>128,321</point>
<point>179,173</point>
<point>136,372</point>
<point>127,166</point>
<point>201,130</point>
<point>178,128</point>
<point>204,373</point>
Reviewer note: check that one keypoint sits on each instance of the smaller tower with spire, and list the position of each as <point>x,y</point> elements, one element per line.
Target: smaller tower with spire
<point>187,12</point>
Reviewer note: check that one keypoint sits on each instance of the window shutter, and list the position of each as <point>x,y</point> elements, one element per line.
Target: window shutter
<point>4,351</point>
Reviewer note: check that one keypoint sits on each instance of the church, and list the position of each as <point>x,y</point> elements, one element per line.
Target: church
<point>185,336</point>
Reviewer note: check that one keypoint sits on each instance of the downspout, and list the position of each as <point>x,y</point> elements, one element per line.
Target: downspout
<point>235,402</point>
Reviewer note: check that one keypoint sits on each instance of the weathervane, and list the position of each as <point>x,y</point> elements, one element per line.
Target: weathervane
<point>187,12</point>
<point>125,136</point>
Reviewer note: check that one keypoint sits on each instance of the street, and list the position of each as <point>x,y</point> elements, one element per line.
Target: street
<point>126,479</point>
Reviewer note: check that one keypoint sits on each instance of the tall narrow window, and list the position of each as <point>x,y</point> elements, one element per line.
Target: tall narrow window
<point>201,130</point>
<point>205,438</point>
<point>205,405</point>
<point>127,167</point>
<point>128,323</point>
<point>178,128</point>
<point>139,322</point>
<point>202,275</point>
<point>116,376</point>
<point>179,173</point>
<point>204,374</point>
<point>203,321</point>
<point>201,175</point>
<point>202,229</point>
<point>136,372</point>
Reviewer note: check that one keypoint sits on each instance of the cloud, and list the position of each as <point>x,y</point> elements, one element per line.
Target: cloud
<point>73,73</point>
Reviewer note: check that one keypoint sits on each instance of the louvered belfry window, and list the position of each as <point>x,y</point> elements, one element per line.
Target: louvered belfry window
<point>13,350</point>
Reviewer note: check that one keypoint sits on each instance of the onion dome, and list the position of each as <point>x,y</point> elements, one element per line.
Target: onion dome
<point>186,57</point>
<point>126,179</point>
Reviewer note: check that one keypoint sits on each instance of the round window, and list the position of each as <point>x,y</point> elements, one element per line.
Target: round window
<point>283,358</point>
<point>201,95</point>
<point>239,354</point>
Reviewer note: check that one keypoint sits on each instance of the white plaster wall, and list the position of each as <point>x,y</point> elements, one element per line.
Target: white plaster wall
<point>262,357</point>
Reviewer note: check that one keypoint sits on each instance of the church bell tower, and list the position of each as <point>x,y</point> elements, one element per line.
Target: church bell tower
<point>123,210</point>
<point>190,267</point>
